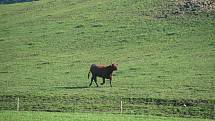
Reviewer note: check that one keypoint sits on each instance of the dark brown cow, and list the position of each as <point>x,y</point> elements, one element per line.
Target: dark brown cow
<point>105,72</point>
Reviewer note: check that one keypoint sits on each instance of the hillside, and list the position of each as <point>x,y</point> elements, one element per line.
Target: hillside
<point>165,54</point>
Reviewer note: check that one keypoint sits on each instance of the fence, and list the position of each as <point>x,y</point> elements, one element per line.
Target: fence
<point>145,106</point>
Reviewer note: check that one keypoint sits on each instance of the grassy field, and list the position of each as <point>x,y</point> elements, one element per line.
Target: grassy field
<point>165,59</point>
<point>46,116</point>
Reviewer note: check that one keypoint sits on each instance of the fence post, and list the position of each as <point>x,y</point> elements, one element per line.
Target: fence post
<point>121,107</point>
<point>17,104</point>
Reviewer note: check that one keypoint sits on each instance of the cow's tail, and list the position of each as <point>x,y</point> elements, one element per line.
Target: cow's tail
<point>89,74</point>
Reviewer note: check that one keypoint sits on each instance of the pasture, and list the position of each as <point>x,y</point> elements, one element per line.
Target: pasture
<point>56,116</point>
<point>166,58</point>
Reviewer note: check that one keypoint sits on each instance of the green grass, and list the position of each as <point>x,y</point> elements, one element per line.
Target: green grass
<point>46,48</point>
<point>45,116</point>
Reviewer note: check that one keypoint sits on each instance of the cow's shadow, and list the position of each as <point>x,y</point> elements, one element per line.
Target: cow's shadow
<point>73,87</point>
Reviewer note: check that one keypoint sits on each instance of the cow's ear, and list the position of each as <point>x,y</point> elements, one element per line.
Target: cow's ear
<point>114,65</point>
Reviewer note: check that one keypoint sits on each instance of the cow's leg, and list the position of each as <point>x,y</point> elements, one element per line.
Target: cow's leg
<point>103,81</point>
<point>110,81</point>
<point>91,81</point>
<point>95,79</point>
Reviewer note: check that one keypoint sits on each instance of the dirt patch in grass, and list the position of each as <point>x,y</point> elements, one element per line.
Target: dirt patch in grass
<point>191,6</point>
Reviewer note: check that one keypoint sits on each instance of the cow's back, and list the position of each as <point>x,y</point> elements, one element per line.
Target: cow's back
<point>97,70</point>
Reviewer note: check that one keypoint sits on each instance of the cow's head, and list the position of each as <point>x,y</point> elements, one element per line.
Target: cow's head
<point>114,66</point>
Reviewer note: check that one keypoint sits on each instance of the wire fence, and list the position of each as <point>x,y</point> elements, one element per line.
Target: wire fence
<point>137,106</point>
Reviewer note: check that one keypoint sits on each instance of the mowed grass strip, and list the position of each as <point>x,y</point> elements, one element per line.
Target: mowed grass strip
<point>54,116</point>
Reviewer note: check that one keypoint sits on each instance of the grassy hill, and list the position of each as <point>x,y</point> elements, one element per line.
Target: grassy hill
<point>166,57</point>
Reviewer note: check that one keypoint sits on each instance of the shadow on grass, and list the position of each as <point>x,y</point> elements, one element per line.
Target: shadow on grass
<point>77,87</point>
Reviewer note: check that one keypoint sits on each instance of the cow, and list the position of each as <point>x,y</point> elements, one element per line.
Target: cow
<point>105,72</point>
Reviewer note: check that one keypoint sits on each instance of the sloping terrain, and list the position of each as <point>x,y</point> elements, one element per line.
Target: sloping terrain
<point>166,57</point>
